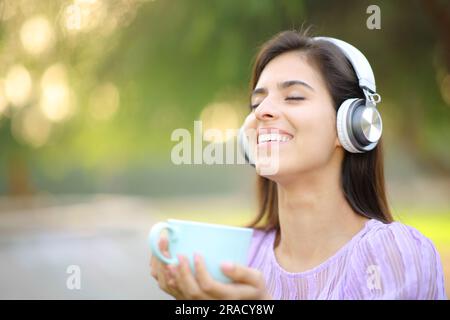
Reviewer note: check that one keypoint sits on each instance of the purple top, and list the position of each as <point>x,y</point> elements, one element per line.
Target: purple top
<point>382,261</point>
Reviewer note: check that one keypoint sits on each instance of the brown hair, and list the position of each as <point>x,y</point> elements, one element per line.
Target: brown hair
<point>362,175</point>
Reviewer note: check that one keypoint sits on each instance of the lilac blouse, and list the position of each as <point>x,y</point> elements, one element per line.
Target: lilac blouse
<point>382,261</point>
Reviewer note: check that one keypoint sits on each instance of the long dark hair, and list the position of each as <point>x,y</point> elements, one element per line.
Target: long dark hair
<point>362,177</point>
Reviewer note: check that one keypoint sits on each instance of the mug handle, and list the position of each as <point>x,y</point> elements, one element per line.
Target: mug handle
<point>154,237</point>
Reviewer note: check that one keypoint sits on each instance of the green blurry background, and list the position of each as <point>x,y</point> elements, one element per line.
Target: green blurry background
<point>91,91</point>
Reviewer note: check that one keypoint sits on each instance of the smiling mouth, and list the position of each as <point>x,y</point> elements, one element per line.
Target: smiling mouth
<point>269,138</point>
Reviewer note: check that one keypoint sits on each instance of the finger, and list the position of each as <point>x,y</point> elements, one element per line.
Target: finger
<point>186,281</point>
<point>224,291</point>
<point>164,246</point>
<point>153,267</point>
<point>167,284</point>
<point>166,280</point>
<point>241,274</point>
<point>172,283</point>
<point>208,284</point>
<point>155,264</point>
<point>161,276</point>
<point>163,243</point>
<point>160,272</point>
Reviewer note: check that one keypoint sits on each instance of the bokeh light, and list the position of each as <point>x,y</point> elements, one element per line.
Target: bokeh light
<point>56,100</point>
<point>83,15</point>
<point>18,85</point>
<point>37,35</point>
<point>31,127</point>
<point>3,101</point>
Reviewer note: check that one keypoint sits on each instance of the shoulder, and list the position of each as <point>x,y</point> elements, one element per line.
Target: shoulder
<point>407,239</point>
<point>396,240</point>
<point>396,261</point>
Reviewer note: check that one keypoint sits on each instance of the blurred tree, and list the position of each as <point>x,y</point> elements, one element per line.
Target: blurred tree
<point>50,89</point>
<point>440,15</point>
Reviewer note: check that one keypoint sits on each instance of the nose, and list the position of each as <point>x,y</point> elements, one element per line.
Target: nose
<point>266,111</point>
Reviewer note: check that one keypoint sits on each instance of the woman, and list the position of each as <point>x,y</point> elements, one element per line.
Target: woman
<point>324,229</point>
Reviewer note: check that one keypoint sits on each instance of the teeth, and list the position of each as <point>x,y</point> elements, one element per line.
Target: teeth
<point>273,137</point>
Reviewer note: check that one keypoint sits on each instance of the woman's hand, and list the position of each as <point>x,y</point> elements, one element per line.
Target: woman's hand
<point>160,271</point>
<point>248,283</point>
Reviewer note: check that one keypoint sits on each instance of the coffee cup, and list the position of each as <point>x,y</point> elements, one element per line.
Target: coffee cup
<point>214,242</point>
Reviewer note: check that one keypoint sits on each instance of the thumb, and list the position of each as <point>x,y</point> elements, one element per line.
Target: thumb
<point>164,246</point>
<point>241,274</point>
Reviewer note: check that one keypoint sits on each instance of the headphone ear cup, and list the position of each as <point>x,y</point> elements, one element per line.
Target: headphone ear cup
<point>367,127</point>
<point>342,125</point>
<point>358,125</point>
<point>244,147</point>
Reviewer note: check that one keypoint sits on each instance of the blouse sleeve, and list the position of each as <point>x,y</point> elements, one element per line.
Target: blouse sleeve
<point>395,261</point>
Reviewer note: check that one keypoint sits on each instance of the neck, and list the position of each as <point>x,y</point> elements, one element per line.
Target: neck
<point>315,218</point>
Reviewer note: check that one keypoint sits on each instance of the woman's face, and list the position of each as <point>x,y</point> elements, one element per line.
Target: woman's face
<point>291,105</point>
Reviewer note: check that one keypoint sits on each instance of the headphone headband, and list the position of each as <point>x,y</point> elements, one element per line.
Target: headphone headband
<point>359,62</point>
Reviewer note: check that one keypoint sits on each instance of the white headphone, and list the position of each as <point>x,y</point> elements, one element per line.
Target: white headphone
<point>358,122</point>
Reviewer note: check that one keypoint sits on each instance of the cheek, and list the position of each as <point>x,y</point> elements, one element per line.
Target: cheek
<point>316,135</point>
<point>316,126</point>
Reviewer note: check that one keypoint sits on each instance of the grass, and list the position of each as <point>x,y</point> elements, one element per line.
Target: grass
<point>434,224</point>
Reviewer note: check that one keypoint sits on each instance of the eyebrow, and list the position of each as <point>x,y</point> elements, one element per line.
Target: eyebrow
<point>283,85</point>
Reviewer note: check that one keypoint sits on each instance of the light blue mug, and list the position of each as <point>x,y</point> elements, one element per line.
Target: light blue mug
<point>215,243</point>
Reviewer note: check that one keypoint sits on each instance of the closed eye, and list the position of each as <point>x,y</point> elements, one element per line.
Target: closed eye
<point>254,106</point>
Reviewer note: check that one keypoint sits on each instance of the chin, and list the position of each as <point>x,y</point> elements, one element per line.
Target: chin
<point>270,169</point>
<point>281,172</point>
